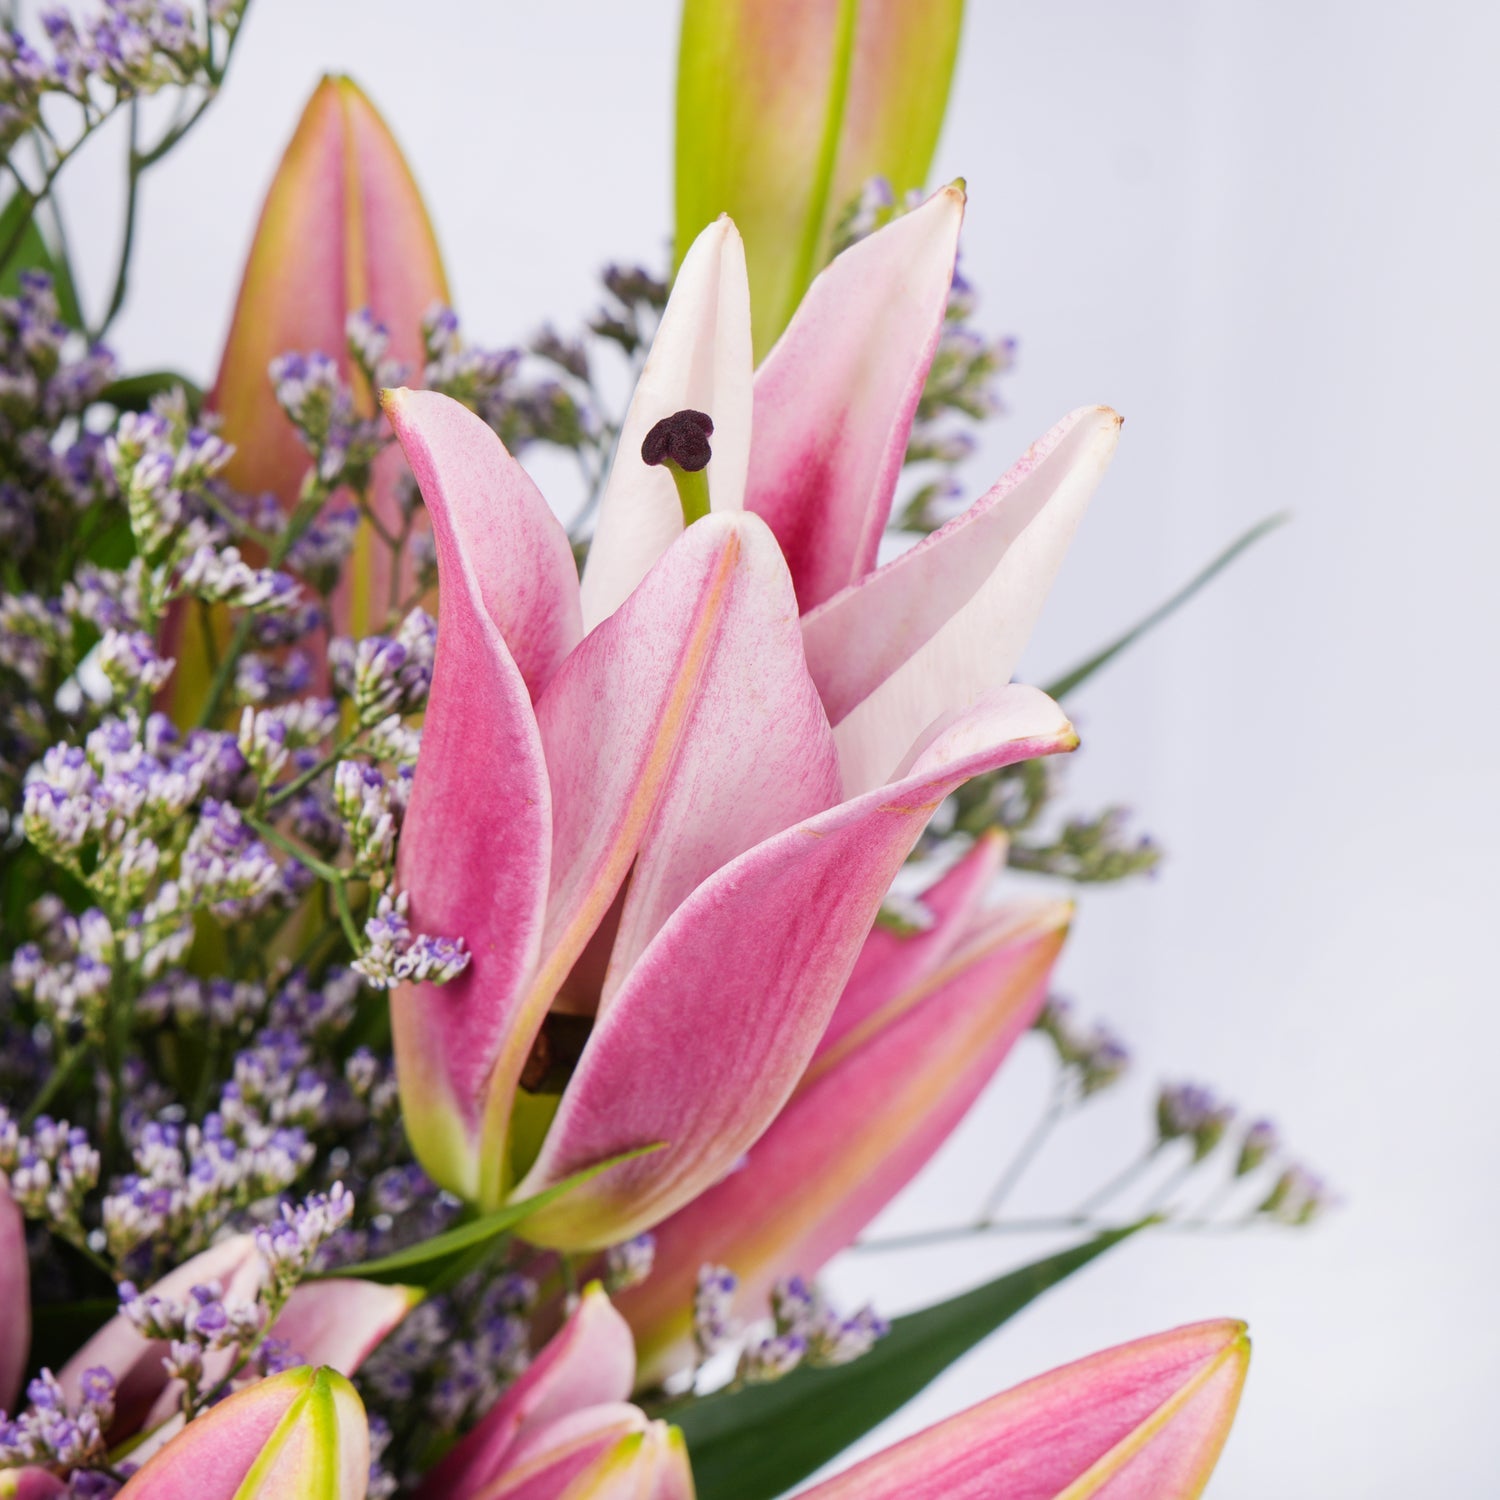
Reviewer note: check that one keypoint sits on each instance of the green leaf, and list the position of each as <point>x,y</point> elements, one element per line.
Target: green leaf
<point>755,1443</point>
<point>134,392</point>
<point>430,1262</point>
<point>1080,674</point>
<point>34,253</point>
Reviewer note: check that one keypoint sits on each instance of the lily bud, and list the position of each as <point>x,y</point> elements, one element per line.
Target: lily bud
<point>1145,1421</point>
<point>787,108</point>
<point>302,1433</point>
<point>343,228</point>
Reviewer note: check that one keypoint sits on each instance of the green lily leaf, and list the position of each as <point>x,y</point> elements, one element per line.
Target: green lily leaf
<point>755,1443</point>
<point>33,253</point>
<point>134,392</point>
<point>434,1260</point>
<point>1080,674</point>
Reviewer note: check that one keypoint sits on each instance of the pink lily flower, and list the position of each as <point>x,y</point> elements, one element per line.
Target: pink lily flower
<point>566,1426</point>
<point>665,840</point>
<point>337,1322</point>
<point>923,1024</point>
<point>334,1323</point>
<point>300,1434</point>
<point>1144,1421</point>
<point>15,1298</point>
<point>787,108</point>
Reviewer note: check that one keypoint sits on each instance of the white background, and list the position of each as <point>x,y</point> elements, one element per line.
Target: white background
<point>1267,234</point>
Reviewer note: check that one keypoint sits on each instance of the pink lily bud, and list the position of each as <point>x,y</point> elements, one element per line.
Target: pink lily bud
<point>565,1426</point>
<point>336,1322</point>
<point>922,1027</point>
<point>787,108</point>
<point>300,1434</point>
<point>15,1298</point>
<point>343,228</point>
<point>1144,1421</point>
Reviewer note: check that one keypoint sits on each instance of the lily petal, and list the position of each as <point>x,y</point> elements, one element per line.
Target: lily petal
<point>700,361</point>
<point>1145,1421</point>
<point>892,962</point>
<point>945,622</point>
<point>868,1115</point>
<point>136,1362</point>
<point>737,988</point>
<point>480,801</point>
<point>15,1298</point>
<point>340,1322</point>
<point>835,398</point>
<point>516,549</point>
<point>343,228</point>
<point>589,1362</point>
<point>301,1433</point>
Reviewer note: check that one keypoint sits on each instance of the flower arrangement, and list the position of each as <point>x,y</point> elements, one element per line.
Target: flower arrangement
<point>466,971</point>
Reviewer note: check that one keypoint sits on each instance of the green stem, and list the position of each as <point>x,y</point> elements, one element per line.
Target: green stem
<point>334,876</point>
<point>1057,1107</point>
<point>313,772</point>
<point>66,1066</point>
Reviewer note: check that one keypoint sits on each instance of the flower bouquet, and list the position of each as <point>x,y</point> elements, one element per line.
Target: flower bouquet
<point>472,959</point>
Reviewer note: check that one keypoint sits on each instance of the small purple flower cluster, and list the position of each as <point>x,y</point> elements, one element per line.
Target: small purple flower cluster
<point>1096,1056</point>
<point>52,1168</point>
<point>53,1432</point>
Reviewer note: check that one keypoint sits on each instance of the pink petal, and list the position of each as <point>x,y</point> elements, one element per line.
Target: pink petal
<point>708,1036</point>
<point>339,1322</point>
<point>479,802</point>
<point>1145,1421</point>
<point>835,398</point>
<point>514,547</point>
<point>891,962</point>
<point>15,1298</point>
<point>589,1362</point>
<point>700,360</point>
<point>714,739</point>
<point>135,1362</point>
<point>868,1115</point>
<point>945,622</point>
<point>755,755</point>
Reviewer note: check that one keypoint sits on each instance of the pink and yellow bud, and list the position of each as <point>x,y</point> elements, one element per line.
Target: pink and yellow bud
<point>343,228</point>
<point>787,108</point>
<point>301,1434</point>
<point>1144,1421</point>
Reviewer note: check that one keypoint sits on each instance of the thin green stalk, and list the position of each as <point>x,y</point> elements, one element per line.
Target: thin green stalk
<point>335,877</point>
<point>1057,1106</point>
<point>67,1064</point>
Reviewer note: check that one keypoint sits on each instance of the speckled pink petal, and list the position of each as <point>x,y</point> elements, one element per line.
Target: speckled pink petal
<point>707,1038</point>
<point>835,398</point>
<point>939,626</point>
<point>480,806</point>
<point>868,1115</point>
